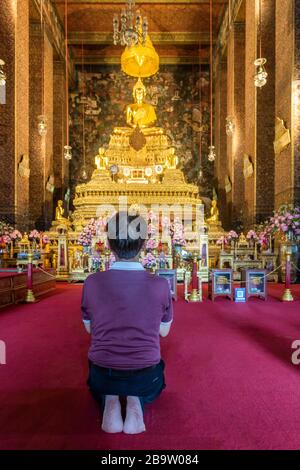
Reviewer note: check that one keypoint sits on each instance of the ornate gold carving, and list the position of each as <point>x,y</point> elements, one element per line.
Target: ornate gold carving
<point>248,166</point>
<point>50,184</point>
<point>228,184</point>
<point>23,167</point>
<point>282,136</point>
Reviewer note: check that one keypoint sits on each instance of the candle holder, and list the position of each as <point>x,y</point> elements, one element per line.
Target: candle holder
<point>196,285</point>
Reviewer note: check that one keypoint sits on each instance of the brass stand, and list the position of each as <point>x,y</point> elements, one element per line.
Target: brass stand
<point>287,295</point>
<point>194,296</point>
<point>30,295</point>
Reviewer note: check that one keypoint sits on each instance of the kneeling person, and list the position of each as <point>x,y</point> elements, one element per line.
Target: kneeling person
<point>126,309</point>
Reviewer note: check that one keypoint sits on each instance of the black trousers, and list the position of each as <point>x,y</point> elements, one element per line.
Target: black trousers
<point>147,384</point>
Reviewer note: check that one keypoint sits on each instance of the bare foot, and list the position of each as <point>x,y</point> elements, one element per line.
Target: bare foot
<point>112,421</point>
<point>134,422</point>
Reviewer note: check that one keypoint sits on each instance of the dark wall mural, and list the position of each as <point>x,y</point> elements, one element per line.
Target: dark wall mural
<point>181,97</point>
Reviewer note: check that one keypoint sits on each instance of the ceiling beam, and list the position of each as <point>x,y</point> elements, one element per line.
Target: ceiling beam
<point>89,59</point>
<point>159,39</point>
<point>144,2</point>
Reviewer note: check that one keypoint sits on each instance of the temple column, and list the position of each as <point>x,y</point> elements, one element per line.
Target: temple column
<point>14,146</point>
<point>260,112</point>
<point>236,111</point>
<point>41,147</point>
<point>37,142</point>
<point>265,161</point>
<point>287,162</point>
<point>48,106</point>
<point>60,164</point>
<point>220,137</point>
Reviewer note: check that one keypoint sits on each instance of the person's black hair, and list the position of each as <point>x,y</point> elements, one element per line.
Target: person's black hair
<point>126,234</point>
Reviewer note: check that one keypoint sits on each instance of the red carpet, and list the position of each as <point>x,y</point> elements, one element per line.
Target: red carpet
<point>230,381</point>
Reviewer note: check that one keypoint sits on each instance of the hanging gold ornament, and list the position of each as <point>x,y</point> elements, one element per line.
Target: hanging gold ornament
<point>140,60</point>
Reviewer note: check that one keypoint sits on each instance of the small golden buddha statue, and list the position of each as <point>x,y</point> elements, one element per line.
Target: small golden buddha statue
<point>139,113</point>
<point>25,239</point>
<point>59,211</point>
<point>242,240</point>
<point>101,159</point>
<point>59,214</point>
<point>172,159</point>
<point>214,214</point>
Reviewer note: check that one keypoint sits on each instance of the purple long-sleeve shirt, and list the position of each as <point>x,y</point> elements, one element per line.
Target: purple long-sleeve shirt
<point>126,308</point>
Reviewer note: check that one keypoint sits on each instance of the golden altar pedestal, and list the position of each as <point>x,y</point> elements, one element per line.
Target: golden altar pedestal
<point>138,164</point>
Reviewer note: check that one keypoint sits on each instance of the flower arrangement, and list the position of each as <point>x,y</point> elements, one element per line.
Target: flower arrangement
<point>222,241</point>
<point>251,235</point>
<point>100,225</point>
<point>34,235</point>
<point>5,231</point>
<point>151,244</point>
<point>232,236</point>
<point>286,221</point>
<point>15,235</point>
<point>177,233</point>
<point>5,239</point>
<point>149,261</point>
<point>87,234</point>
<point>165,225</point>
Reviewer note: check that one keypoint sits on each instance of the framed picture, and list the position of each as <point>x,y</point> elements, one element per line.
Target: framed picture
<point>255,282</point>
<point>221,283</point>
<point>171,276</point>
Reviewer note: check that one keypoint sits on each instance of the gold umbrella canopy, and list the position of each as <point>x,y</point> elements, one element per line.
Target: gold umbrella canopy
<point>140,61</point>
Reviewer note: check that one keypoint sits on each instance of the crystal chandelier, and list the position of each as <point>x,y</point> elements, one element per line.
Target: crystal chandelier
<point>42,125</point>
<point>68,152</point>
<point>211,153</point>
<point>133,28</point>
<point>260,78</point>
<point>2,73</point>
<point>84,175</point>
<point>230,126</point>
<point>67,147</point>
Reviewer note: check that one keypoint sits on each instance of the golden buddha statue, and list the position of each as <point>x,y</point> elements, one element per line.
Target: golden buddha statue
<point>59,211</point>
<point>59,215</point>
<point>214,214</point>
<point>242,240</point>
<point>172,159</point>
<point>101,159</point>
<point>139,113</point>
<point>25,239</point>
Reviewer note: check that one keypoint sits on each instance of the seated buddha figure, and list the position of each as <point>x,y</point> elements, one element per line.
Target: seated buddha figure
<point>101,160</point>
<point>214,214</point>
<point>59,214</point>
<point>139,113</point>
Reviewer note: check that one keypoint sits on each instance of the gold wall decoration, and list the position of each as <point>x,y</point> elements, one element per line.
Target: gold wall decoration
<point>248,169</point>
<point>50,184</point>
<point>23,167</point>
<point>228,185</point>
<point>282,136</point>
